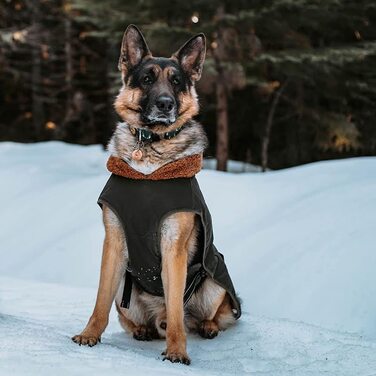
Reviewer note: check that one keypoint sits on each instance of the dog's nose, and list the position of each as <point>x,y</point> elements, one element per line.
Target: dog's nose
<point>165,103</point>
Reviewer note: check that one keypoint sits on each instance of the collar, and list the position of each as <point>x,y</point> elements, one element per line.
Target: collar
<point>182,168</point>
<point>146,135</point>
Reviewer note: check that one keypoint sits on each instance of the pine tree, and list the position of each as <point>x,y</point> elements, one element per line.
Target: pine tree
<point>285,82</point>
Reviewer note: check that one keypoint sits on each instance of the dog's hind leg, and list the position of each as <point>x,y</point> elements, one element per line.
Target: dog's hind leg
<point>209,310</point>
<point>141,332</point>
<point>224,316</point>
<point>136,319</point>
<point>112,270</point>
<point>222,319</point>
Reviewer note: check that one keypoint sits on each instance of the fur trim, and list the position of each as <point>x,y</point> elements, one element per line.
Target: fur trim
<point>182,168</point>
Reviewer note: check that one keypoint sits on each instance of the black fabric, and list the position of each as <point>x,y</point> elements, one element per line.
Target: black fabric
<point>126,298</point>
<point>141,205</point>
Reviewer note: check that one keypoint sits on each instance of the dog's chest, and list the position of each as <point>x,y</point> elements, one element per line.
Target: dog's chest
<point>147,165</point>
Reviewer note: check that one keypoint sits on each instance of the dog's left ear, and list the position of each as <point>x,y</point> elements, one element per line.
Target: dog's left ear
<point>191,56</point>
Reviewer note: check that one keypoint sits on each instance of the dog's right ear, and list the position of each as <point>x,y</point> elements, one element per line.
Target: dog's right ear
<point>133,49</point>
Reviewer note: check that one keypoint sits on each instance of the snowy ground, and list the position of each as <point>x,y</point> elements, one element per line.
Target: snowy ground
<point>299,244</point>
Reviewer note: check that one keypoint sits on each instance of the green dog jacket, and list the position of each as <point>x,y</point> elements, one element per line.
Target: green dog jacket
<point>141,206</point>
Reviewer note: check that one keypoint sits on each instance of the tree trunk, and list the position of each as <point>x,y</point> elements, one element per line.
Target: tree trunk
<point>222,127</point>
<point>221,98</point>
<point>268,127</point>
<point>68,63</point>
<point>69,110</point>
<point>36,73</point>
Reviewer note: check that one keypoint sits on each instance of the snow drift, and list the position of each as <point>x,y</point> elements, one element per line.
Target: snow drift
<point>299,244</point>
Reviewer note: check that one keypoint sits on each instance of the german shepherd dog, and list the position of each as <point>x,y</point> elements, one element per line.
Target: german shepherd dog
<point>158,94</point>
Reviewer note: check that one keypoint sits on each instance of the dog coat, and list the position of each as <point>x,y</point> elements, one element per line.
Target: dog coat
<point>141,205</point>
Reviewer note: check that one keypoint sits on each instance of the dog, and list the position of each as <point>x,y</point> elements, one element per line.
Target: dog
<point>157,103</point>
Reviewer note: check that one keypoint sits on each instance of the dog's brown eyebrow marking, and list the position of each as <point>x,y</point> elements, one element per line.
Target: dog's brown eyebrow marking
<point>155,68</point>
<point>169,71</point>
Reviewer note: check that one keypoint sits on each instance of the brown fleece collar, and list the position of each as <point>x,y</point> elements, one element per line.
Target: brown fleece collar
<point>182,168</point>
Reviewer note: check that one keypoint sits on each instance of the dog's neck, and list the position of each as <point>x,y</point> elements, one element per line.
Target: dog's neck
<point>189,141</point>
<point>144,135</point>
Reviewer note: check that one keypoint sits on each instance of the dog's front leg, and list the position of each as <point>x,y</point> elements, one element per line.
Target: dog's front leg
<point>112,269</point>
<point>176,232</point>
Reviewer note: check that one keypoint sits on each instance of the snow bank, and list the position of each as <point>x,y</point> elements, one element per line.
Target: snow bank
<point>299,244</point>
<point>37,320</point>
<point>232,166</point>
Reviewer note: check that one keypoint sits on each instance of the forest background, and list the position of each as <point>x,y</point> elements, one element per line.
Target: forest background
<point>285,82</point>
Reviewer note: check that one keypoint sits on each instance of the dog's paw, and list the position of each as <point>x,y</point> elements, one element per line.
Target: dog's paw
<point>145,333</point>
<point>176,357</point>
<point>86,340</point>
<point>208,329</point>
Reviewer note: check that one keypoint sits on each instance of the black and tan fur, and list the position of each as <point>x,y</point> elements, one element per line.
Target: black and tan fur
<point>145,80</point>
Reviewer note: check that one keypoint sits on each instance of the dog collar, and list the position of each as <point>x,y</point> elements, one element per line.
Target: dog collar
<point>146,135</point>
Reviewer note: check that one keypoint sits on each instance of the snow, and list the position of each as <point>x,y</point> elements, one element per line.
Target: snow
<point>232,166</point>
<point>299,244</point>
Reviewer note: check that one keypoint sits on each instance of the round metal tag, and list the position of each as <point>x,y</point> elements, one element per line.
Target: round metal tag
<point>137,155</point>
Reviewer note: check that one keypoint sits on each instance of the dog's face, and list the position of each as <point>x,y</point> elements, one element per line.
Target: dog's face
<point>158,92</point>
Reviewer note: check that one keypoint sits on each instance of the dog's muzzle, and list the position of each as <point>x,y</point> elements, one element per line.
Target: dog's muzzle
<point>163,111</point>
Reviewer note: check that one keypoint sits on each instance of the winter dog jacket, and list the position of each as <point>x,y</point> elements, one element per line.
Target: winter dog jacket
<point>141,205</point>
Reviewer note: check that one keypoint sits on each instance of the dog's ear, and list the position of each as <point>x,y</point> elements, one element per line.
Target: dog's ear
<point>133,49</point>
<point>191,56</point>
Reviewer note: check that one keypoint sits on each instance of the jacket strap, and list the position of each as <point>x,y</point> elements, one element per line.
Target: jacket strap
<point>195,283</point>
<point>126,299</point>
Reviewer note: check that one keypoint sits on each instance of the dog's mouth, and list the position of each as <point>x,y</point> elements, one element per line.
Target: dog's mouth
<point>159,118</point>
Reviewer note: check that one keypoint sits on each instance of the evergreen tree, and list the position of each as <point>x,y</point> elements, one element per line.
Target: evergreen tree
<point>285,82</point>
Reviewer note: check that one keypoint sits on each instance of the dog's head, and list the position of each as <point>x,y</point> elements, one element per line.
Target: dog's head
<point>158,92</point>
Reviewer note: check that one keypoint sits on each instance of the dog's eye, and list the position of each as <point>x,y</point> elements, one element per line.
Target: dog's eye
<point>175,81</point>
<point>147,80</point>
